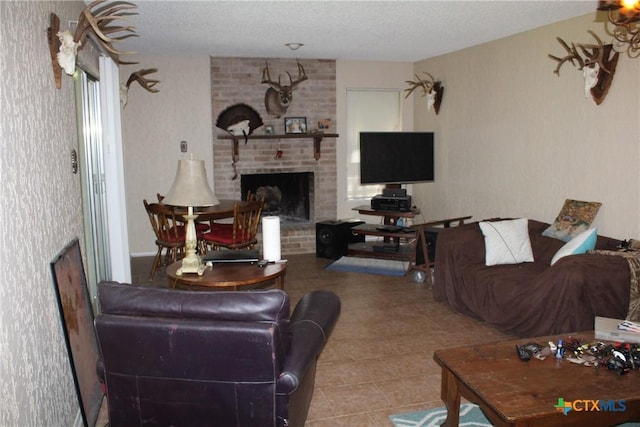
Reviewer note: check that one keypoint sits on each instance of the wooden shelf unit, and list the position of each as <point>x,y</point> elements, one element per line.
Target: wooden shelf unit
<point>412,242</point>
<point>317,140</point>
<point>405,251</point>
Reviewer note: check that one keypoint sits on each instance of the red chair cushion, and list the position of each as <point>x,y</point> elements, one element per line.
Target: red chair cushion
<point>222,235</point>
<point>202,227</point>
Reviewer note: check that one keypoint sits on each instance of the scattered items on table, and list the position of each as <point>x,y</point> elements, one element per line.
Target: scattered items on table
<point>621,357</point>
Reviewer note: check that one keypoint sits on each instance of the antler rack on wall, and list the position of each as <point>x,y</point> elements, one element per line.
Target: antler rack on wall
<point>98,19</point>
<point>432,89</point>
<point>596,61</point>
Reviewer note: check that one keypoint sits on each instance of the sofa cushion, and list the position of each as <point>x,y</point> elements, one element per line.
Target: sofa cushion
<point>580,244</point>
<point>575,217</point>
<point>506,242</point>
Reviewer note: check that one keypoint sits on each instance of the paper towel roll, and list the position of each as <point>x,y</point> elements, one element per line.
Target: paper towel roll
<point>271,238</point>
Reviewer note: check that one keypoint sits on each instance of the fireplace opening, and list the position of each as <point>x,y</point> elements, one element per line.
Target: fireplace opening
<point>286,195</point>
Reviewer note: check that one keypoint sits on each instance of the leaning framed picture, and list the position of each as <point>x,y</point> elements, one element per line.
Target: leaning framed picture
<point>295,125</point>
<point>76,314</point>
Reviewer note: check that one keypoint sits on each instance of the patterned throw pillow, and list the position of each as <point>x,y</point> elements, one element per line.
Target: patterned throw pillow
<point>574,218</point>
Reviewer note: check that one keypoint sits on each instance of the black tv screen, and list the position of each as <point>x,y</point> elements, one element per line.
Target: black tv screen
<point>396,157</point>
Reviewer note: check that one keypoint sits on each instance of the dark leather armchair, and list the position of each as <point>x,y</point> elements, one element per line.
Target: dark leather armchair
<point>186,358</point>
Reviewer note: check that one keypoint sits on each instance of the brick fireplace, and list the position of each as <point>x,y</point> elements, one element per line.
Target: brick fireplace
<point>237,80</point>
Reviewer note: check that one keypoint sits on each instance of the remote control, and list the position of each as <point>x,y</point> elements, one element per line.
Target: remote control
<point>262,263</point>
<point>523,354</point>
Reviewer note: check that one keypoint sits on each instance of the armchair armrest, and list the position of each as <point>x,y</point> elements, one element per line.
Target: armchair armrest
<point>311,324</point>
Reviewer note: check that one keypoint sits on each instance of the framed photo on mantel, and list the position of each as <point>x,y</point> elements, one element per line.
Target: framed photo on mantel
<point>295,125</point>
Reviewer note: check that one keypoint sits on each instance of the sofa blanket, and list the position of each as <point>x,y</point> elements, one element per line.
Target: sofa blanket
<point>530,299</point>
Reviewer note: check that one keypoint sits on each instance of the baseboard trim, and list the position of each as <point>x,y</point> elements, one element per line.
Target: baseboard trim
<point>143,254</point>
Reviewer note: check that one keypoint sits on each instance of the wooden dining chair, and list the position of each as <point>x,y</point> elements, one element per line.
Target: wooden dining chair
<point>227,227</point>
<point>242,233</point>
<point>170,235</point>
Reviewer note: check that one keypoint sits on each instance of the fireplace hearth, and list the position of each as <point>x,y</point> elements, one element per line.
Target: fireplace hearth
<point>286,195</point>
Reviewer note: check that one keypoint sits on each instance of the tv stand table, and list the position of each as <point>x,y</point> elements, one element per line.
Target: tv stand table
<point>390,238</point>
<point>411,242</point>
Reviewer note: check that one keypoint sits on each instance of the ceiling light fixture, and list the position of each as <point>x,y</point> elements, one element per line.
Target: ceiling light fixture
<point>625,16</point>
<point>294,46</point>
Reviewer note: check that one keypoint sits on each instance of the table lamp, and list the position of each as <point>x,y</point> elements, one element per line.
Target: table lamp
<point>190,188</point>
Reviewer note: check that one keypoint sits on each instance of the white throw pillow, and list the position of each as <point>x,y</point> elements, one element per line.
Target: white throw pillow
<point>507,242</point>
<point>580,244</point>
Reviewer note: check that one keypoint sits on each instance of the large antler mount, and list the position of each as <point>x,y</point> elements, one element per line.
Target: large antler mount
<point>96,22</point>
<point>596,61</point>
<point>100,20</point>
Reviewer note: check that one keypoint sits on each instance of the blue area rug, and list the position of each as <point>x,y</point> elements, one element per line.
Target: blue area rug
<point>470,415</point>
<point>385,267</point>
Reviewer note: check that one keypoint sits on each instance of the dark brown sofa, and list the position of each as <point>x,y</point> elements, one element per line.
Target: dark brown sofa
<point>530,299</point>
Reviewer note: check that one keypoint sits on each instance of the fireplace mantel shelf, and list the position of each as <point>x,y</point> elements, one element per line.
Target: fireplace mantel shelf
<point>317,139</point>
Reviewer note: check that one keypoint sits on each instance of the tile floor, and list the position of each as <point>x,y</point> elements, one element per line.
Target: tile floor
<point>378,360</point>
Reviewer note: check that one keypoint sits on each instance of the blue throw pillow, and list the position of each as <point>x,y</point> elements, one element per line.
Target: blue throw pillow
<point>580,244</point>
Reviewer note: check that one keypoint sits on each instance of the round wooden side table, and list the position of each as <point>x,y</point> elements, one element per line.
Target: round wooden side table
<point>229,276</point>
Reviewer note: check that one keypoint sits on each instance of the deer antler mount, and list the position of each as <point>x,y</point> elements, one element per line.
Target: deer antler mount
<point>96,20</point>
<point>139,76</point>
<point>278,97</point>
<point>431,88</point>
<point>596,62</point>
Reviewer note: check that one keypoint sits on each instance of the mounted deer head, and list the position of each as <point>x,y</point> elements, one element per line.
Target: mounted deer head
<point>431,88</point>
<point>97,21</point>
<point>278,97</point>
<point>596,63</point>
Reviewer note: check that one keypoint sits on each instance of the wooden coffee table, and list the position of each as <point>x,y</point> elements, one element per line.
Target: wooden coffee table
<point>232,276</point>
<point>515,393</point>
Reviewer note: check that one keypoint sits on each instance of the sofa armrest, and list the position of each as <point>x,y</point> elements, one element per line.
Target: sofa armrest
<point>312,321</point>
<point>579,287</point>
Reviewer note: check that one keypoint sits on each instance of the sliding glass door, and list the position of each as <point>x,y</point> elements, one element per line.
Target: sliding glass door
<point>92,170</point>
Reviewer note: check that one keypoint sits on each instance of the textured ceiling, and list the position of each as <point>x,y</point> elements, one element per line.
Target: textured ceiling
<point>354,30</point>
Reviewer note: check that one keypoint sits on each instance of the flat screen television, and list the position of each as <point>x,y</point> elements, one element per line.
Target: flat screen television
<point>396,157</point>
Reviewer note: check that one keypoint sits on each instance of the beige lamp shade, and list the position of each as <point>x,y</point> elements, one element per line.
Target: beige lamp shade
<point>190,187</point>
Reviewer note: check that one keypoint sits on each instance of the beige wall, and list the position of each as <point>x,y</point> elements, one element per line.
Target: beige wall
<point>513,139</point>
<point>153,124</point>
<point>365,75</point>
<point>41,212</point>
